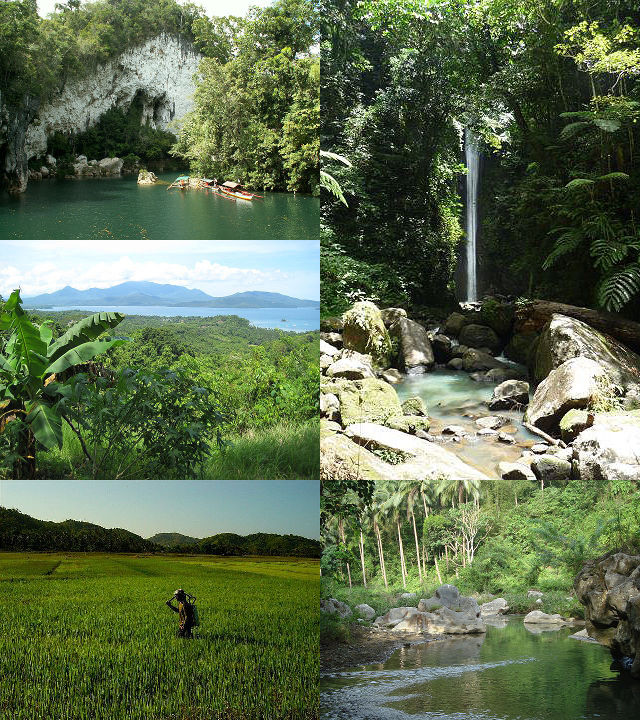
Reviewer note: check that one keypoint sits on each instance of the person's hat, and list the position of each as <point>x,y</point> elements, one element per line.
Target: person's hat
<point>179,591</point>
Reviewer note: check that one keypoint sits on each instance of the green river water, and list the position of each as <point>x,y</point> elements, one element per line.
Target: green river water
<point>119,208</point>
<point>512,673</point>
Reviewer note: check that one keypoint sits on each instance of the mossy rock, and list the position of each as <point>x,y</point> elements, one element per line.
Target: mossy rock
<point>520,347</point>
<point>331,324</point>
<point>498,316</point>
<point>415,406</point>
<point>368,400</point>
<point>409,423</point>
<point>574,422</point>
<point>365,332</point>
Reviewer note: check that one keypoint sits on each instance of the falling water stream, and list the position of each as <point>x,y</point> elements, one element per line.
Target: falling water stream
<point>472,157</point>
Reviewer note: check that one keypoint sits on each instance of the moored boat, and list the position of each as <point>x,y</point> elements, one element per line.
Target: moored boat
<point>234,189</point>
<point>181,182</point>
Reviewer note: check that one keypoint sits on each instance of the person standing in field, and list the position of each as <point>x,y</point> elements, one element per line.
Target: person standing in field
<point>186,612</point>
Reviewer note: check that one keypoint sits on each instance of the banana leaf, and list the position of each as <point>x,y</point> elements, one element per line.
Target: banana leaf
<point>83,353</point>
<point>84,331</point>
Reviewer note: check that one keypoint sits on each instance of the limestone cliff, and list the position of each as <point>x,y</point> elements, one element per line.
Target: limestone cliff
<point>160,72</point>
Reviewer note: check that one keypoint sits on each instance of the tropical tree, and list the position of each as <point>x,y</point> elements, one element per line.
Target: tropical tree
<point>33,389</point>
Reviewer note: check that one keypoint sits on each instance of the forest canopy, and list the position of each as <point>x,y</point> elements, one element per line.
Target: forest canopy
<point>551,90</point>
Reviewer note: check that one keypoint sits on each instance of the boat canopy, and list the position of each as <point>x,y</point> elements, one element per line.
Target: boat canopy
<point>231,185</point>
<point>182,177</point>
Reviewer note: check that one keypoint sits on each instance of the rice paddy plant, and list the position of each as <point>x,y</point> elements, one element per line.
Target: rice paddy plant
<point>88,637</point>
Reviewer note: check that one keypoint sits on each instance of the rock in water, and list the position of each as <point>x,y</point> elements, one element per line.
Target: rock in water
<point>572,385</point>
<point>609,589</point>
<point>480,336</point>
<point>551,470</point>
<point>415,346</point>
<point>495,607</point>
<point>454,324</point>
<point>441,348</point>
<point>364,331</point>
<point>145,177</point>
<point>415,405</point>
<point>368,400</point>
<point>509,394</point>
<point>564,338</point>
<point>478,360</point>
<point>537,617</point>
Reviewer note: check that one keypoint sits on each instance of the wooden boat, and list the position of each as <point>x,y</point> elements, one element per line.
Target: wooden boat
<point>234,189</point>
<point>181,182</point>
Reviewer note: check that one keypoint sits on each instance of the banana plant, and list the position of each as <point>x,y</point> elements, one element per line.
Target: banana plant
<point>32,390</point>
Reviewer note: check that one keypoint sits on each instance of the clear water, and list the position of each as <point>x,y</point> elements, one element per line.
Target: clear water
<point>296,319</point>
<point>119,208</point>
<point>453,398</point>
<point>509,674</point>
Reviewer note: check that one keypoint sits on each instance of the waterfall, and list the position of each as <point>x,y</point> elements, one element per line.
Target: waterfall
<point>472,157</point>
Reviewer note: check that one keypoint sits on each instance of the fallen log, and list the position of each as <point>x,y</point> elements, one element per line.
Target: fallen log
<point>533,315</point>
<point>536,431</point>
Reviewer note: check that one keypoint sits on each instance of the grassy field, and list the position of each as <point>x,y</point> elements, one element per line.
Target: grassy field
<point>88,636</point>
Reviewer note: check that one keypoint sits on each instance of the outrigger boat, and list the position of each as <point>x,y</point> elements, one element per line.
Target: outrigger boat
<point>234,189</point>
<point>181,182</point>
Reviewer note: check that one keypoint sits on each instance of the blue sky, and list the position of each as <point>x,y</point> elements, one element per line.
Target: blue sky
<point>193,507</point>
<point>218,267</point>
<point>212,7</point>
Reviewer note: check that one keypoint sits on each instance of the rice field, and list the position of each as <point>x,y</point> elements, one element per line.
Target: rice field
<point>89,637</point>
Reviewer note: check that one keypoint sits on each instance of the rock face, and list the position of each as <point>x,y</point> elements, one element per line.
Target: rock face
<point>609,589</point>
<point>509,394</point>
<point>572,385</point>
<point>415,347</point>
<point>564,338</point>
<point>160,72</point>
<point>364,331</point>
<point>480,336</point>
<point>145,177</point>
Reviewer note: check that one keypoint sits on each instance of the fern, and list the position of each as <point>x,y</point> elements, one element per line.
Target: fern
<point>579,184</point>
<point>607,253</point>
<point>572,129</point>
<point>619,287</point>
<point>607,124</point>
<point>328,182</point>
<point>613,176</point>
<point>565,244</point>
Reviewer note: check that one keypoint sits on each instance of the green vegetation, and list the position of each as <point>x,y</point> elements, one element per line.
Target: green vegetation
<point>187,397</point>
<point>501,538</point>
<point>550,89</point>
<point>22,532</point>
<point>258,107</point>
<point>96,640</point>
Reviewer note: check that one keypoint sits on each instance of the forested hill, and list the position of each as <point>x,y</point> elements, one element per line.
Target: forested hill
<point>19,531</point>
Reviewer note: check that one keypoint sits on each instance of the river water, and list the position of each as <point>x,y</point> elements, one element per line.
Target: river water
<point>512,673</point>
<point>296,319</point>
<point>452,397</point>
<point>119,208</point>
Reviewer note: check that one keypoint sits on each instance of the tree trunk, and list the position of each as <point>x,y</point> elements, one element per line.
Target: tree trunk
<point>435,557</point>
<point>534,315</point>
<point>24,467</point>
<point>364,575</point>
<point>415,535</point>
<point>402,565</point>
<point>376,528</point>
<point>344,542</point>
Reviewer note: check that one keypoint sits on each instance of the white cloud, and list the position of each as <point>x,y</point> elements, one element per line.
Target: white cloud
<point>210,277</point>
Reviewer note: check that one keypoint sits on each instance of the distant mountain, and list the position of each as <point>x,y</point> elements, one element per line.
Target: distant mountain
<point>172,539</point>
<point>23,532</point>
<point>151,294</point>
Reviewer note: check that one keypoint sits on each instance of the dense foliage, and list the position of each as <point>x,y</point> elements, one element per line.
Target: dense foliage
<point>257,106</point>
<point>551,88</point>
<point>19,531</point>
<point>178,398</point>
<point>501,537</point>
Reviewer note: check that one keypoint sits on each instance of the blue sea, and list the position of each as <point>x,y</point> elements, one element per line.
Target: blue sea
<point>296,319</point>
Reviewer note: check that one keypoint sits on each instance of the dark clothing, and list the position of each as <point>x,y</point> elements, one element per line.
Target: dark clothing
<point>186,617</point>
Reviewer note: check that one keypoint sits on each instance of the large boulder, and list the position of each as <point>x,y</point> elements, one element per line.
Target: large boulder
<point>609,589</point>
<point>335,607</point>
<point>449,596</point>
<point>574,422</point>
<point>508,394</point>
<point>365,611</point>
<point>390,315</point>
<point>515,471</point>
<point>480,336</point>
<point>610,449</point>
<point>551,470</point>
<point>341,457</point>
<point>111,166</point>
<point>442,621</point>
<point>368,401</point>
<point>441,348</point>
<point>473,360</point>
<point>498,316</point>
<point>498,606</point>
<point>415,347</point>
<point>564,338</point>
<point>327,349</point>
<point>537,617</point>
<point>454,324</point>
<point>351,365</point>
<point>146,177</point>
<point>364,331</point>
<point>330,406</point>
<point>395,616</point>
<point>574,384</point>
<point>414,405</point>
